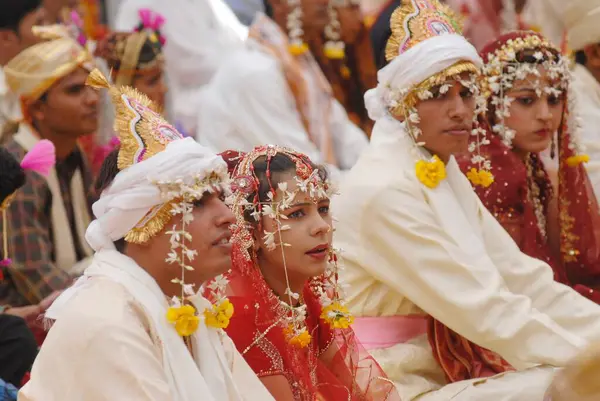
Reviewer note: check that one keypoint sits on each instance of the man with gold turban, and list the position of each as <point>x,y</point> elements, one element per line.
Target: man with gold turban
<point>16,20</point>
<point>582,22</point>
<point>442,296</point>
<point>49,216</point>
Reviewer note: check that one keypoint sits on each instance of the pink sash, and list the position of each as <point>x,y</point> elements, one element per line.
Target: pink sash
<point>386,331</point>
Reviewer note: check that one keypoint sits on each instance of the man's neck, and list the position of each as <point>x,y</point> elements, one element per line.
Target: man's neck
<point>595,72</point>
<point>281,20</point>
<point>64,145</point>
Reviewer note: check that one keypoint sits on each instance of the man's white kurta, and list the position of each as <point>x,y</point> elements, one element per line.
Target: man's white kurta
<point>106,346</point>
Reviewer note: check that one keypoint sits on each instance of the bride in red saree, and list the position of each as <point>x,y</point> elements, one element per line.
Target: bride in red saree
<point>551,213</point>
<point>289,320</point>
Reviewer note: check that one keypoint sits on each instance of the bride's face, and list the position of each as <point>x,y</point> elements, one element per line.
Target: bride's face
<point>303,242</point>
<point>535,113</point>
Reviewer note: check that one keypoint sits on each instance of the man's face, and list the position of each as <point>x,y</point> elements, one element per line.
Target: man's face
<point>446,120</point>
<point>12,43</point>
<point>69,108</point>
<point>210,237</point>
<point>152,84</point>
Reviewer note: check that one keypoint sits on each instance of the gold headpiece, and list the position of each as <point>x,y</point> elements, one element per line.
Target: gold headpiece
<point>33,71</point>
<point>141,130</point>
<point>143,133</point>
<point>413,22</point>
<point>417,20</point>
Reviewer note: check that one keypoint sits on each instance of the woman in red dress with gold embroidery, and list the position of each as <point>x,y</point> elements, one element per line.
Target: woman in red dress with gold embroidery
<point>551,212</point>
<point>289,321</point>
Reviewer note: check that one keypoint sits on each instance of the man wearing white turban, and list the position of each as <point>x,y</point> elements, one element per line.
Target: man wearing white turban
<point>443,298</point>
<point>135,326</point>
<point>582,22</point>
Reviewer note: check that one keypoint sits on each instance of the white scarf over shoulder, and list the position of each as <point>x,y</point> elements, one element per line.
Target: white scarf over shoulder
<point>207,374</point>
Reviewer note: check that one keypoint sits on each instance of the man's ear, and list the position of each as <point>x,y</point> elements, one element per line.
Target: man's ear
<point>8,39</point>
<point>36,110</point>
<point>592,55</point>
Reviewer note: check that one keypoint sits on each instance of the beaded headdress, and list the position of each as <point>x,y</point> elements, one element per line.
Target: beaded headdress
<point>412,23</point>
<point>33,71</point>
<point>503,66</point>
<point>247,205</point>
<point>334,45</point>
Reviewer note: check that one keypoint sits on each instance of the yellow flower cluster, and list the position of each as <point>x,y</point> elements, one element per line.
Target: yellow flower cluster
<point>219,315</point>
<point>298,49</point>
<point>578,159</point>
<point>480,177</point>
<point>431,173</point>
<point>337,315</point>
<point>184,318</point>
<point>334,53</point>
<point>301,339</point>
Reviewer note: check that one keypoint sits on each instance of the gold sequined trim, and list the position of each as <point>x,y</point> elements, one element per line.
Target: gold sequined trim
<point>153,223</point>
<point>567,222</point>
<point>450,73</point>
<point>411,23</point>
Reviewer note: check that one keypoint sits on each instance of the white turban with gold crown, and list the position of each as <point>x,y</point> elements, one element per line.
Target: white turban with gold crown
<point>158,167</point>
<point>425,49</point>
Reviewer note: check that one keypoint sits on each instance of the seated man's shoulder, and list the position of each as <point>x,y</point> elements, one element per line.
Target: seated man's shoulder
<point>35,184</point>
<point>100,306</point>
<point>373,175</point>
<point>14,148</point>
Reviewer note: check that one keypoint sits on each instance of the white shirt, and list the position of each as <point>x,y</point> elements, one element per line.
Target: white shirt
<point>587,92</point>
<point>10,109</point>
<point>249,103</point>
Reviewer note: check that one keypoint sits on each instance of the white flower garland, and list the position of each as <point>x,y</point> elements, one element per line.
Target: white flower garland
<point>181,196</point>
